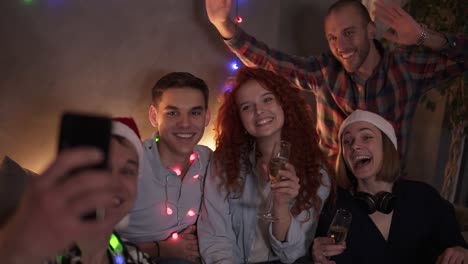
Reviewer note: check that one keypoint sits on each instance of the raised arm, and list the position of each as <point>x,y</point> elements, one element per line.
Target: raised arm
<point>303,72</point>
<point>446,57</point>
<point>407,31</point>
<point>47,219</point>
<point>218,14</point>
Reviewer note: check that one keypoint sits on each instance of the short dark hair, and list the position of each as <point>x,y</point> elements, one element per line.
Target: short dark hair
<point>178,80</point>
<point>358,5</point>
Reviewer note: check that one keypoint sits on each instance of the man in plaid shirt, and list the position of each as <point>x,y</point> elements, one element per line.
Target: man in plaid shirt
<point>359,73</point>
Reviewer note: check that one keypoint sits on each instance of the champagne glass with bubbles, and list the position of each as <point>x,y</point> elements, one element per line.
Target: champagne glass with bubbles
<point>278,160</point>
<point>340,225</point>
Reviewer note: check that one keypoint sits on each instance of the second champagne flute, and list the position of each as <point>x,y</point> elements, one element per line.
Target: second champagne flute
<point>340,225</point>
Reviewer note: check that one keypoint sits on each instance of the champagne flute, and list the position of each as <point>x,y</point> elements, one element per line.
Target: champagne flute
<point>278,160</point>
<point>340,225</point>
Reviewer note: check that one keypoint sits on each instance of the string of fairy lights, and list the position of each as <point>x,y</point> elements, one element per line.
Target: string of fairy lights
<point>235,63</point>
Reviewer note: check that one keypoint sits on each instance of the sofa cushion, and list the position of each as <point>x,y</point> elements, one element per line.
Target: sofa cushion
<point>13,180</point>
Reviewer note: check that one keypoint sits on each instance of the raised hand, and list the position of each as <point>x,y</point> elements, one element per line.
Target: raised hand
<point>218,13</point>
<point>218,10</point>
<point>406,29</point>
<point>325,247</point>
<point>48,217</point>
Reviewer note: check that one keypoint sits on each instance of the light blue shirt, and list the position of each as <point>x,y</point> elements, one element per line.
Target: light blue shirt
<point>166,204</point>
<point>227,226</point>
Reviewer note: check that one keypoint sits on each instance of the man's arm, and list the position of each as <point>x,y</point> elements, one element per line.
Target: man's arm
<point>218,13</point>
<point>48,218</point>
<point>446,59</point>
<point>408,31</point>
<point>303,72</point>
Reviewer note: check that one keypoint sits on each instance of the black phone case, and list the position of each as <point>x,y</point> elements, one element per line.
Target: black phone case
<point>78,129</point>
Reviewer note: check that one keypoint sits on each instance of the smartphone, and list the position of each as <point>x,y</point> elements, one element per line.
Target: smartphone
<point>78,129</point>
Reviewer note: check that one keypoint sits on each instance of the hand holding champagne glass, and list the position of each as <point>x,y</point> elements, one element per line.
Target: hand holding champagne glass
<point>278,160</point>
<point>334,244</point>
<point>340,225</point>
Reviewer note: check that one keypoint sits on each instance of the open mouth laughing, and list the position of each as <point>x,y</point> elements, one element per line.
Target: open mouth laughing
<point>360,161</point>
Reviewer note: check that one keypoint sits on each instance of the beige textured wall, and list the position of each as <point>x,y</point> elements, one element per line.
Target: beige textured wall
<point>103,56</point>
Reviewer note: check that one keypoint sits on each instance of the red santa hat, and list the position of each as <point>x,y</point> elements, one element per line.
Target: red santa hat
<point>127,128</point>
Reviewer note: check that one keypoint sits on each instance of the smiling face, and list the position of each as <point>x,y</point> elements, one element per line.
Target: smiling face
<point>349,37</point>
<point>363,150</point>
<point>124,169</point>
<point>260,112</point>
<point>180,118</point>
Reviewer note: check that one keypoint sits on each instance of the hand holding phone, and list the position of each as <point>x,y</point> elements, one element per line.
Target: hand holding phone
<point>79,129</point>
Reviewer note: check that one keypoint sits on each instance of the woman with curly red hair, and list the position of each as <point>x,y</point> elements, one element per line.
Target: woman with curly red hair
<point>259,112</point>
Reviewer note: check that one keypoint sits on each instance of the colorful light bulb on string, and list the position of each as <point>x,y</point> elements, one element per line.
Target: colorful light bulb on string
<point>169,211</point>
<point>229,84</point>
<point>193,156</point>
<point>175,235</point>
<point>234,66</point>
<point>191,213</point>
<point>177,171</point>
<point>238,19</point>
<point>119,259</point>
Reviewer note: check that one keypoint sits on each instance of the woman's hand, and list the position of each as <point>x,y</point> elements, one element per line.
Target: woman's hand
<point>287,188</point>
<point>325,247</point>
<point>453,255</point>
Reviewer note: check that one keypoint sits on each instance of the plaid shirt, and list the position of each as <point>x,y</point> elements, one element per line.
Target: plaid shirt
<point>393,90</point>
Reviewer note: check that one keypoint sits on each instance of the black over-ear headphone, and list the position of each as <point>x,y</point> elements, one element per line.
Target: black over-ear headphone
<point>383,202</point>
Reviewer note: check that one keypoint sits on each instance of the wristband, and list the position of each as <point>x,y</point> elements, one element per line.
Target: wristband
<point>422,36</point>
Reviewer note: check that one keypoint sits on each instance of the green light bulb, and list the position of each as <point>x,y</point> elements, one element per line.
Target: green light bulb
<point>114,242</point>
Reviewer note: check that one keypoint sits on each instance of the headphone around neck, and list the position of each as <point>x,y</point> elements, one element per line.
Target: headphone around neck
<point>383,202</point>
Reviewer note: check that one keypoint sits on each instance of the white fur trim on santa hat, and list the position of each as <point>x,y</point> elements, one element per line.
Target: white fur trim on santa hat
<point>120,129</point>
<point>372,118</point>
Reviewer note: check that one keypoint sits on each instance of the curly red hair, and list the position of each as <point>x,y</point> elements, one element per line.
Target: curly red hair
<point>233,144</point>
